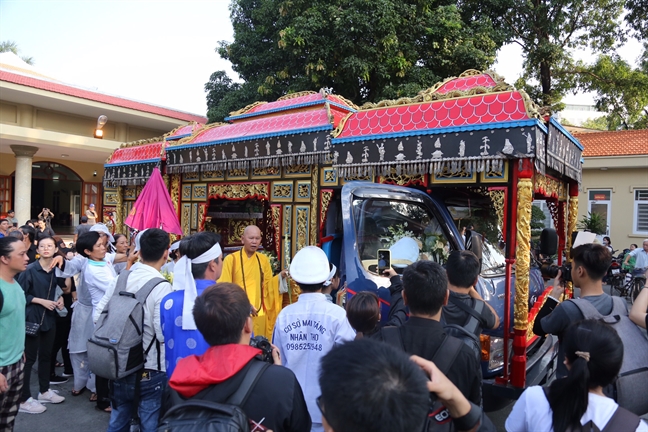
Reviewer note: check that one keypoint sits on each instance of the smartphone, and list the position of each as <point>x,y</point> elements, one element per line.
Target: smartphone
<point>384,260</point>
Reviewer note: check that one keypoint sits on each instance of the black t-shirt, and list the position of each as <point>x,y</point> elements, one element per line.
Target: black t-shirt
<point>423,337</point>
<point>47,232</point>
<point>454,315</point>
<point>276,402</point>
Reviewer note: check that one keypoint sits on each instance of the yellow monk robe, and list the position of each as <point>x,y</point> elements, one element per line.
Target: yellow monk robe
<point>252,270</point>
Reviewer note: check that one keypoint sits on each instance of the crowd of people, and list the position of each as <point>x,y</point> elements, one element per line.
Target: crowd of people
<point>205,317</point>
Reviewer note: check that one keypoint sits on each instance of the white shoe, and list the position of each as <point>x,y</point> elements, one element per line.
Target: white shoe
<point>50,396</point>
<point>32,406</point>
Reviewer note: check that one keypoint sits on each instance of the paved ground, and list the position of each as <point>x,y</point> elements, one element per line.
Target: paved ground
<point>79,414</point>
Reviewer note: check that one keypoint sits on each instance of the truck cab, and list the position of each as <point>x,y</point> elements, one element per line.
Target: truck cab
<point>416,225</point>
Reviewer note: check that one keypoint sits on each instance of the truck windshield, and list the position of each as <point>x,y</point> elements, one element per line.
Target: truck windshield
<point>407,229</point>
<point>493,261</point>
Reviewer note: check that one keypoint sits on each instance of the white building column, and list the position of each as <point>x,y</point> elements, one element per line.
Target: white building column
<point>23,179</point>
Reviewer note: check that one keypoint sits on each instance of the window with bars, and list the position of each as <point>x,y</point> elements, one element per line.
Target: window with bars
<point>640,224</point>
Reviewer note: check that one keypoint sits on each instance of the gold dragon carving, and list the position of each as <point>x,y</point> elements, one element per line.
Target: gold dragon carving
<point>497,198</point>
<point>276,225</point>
<point>175,198</point>
<point>119,211</point>
<point>523,254</point>
<point>314,220</point>
<point>281,190</point>
<point>326,201</point>
<point>239,190</point>
<point>302,228</point>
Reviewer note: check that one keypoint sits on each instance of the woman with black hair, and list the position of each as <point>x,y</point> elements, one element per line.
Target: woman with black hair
<point>593,356</point>
<point>95,267</point>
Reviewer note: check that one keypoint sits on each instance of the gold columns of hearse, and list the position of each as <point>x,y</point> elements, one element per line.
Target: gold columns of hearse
<point>522,253</point>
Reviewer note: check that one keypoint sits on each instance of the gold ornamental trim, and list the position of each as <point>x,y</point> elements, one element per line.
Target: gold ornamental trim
<point>325,200</point>
<point>239,190</point>
<point>119,211</point>
<point>314,196</point>
<point>296,95</point>
<point>498,197</point>
<point>523,254</point>
<point>572,217</point>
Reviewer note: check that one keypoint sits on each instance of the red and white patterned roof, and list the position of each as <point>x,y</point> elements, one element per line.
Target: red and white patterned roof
<point>271,106</point>
<point>265,126</point>
<point>185,130</point>
<point>291,104</point>
<point>97,97</point>
<point>466,111</point>
<point>137,153</point>
<point>467,83</point>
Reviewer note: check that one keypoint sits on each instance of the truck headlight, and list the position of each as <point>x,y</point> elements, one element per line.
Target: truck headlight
<point>492,351</point>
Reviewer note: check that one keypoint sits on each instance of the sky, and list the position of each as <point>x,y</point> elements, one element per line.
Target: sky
<point>160,52</point>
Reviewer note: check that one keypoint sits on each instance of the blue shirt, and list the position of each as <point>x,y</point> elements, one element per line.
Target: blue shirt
<point>179,343</point>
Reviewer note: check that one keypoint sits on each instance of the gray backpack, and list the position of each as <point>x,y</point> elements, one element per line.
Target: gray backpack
<point>115,349</point>
<point>632,382</point>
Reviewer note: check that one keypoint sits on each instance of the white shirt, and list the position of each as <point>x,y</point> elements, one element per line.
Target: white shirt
<point>96,275</point>
<point>140,274</point>
<point>304,333</point>
<point>532,412</point>
<point>641,257</point>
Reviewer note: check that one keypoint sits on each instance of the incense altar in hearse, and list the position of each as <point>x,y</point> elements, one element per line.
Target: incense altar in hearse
<point>313,168</point>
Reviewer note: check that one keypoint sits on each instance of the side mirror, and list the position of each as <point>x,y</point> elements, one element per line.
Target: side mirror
<point>548,242</point>
<point>474,244</point>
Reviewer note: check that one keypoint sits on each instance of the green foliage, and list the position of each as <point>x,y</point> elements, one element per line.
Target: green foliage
<point>599,123</point>
<point>548,31</point>
<point>225,96</point>
<point>593,222</point>
<point>537,224</point>
<point>365,50</point>
<point>11,46</point>
<point>621,90</point>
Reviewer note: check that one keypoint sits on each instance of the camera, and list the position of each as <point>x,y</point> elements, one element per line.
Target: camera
<point>264,345</point>
<point>550,271</point>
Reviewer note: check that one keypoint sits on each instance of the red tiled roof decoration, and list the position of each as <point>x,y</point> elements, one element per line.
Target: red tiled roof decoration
<point>137,153</point>
<point>467,83</point>
<point>291,102</point>
<point>265,126</point>
<point>184,131</point>
<point>467,111</point>
<point>271,106</point>
<point>614,143</point>
<point>97,97</point>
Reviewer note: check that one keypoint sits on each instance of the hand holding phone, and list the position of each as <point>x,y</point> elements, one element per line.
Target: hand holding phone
<point>384,260</point>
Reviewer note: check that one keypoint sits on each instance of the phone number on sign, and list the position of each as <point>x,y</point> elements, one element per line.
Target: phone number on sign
<point>303,346</point>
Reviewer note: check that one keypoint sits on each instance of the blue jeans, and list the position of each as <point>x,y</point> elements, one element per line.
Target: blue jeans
<point>151,394</point>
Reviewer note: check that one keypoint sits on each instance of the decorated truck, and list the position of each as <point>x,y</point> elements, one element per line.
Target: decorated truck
<point>417,176</point>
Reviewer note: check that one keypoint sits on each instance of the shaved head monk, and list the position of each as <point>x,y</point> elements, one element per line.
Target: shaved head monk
<point>251,271</point>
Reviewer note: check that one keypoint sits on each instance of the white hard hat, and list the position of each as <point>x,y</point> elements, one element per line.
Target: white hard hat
<point>101,228</point>
<point>310,266</point>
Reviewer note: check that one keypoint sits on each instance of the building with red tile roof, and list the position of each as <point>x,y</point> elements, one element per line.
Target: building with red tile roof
<point>615,183</point>
<point>47,141</point>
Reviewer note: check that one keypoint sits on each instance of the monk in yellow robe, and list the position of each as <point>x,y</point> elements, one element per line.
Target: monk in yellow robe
<point>251,271</point>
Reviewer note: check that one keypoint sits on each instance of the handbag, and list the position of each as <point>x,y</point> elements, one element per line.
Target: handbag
<point>32,329</point>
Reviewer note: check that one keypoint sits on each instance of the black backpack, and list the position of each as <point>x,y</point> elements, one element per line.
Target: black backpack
<point>468,332</point>
<point>200,415</point>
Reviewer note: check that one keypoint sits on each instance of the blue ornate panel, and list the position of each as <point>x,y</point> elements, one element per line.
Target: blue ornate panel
<point>186,191</point>
<point>282,191</point>
<point>303,191</point>
<point>199,192</point>
<point>329,177</point>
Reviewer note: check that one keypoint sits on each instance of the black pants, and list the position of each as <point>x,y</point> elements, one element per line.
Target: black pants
<point>39,346</point>
<point>61,343</point>
<point>103,392</point>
